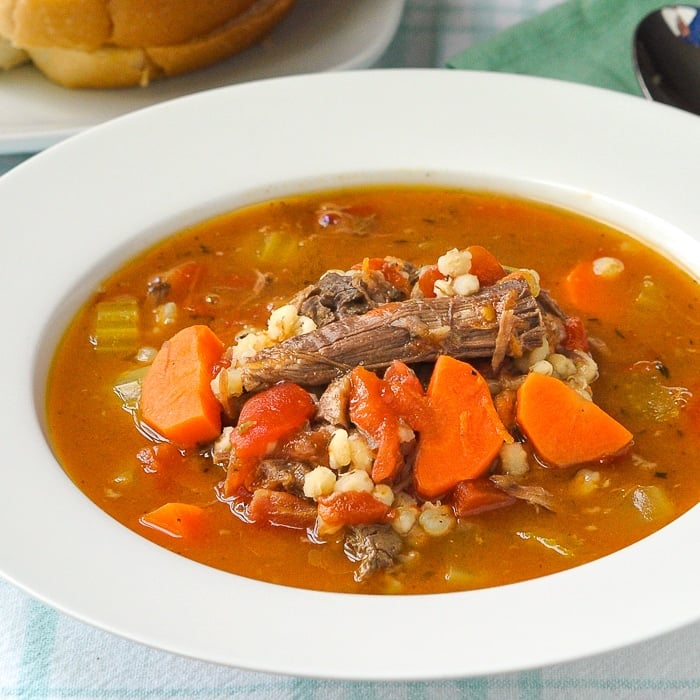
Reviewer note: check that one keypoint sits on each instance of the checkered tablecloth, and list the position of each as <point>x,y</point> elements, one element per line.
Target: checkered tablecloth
<point>44,654</point>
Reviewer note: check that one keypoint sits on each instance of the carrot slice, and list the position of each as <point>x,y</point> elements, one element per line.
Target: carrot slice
<point>176,396</point>
<point>375,417</point>
<point>565,428</point>
<point>269,416</point>
<point>464,433</point>
<point>181,520</point>
<point>598,295</point>
<point>485,265</point>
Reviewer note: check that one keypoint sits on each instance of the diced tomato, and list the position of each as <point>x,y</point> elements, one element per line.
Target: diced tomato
<point>176,284</point>
<point>269,416</point>
<point>391,270</point>
<point>485,266</point>
<point>238,472</point>
<point>352,508</point>
<point>475,496</point>
<point>405,394</point>
<point>427,278</point>
<point>505,404</point>
<point>375,417</point>
<point>281,508</point>
<point>576,336</point>
<point>161,458</point>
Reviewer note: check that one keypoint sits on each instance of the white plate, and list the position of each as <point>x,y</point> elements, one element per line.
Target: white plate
<point>317,35</point>
<point>82,207</point>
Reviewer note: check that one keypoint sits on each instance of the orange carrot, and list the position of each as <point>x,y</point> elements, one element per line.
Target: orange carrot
<point>269,416</point>
<point>181,520</point>
<point>598,295</point>
<point>478,496</point>
<point>176,396</point>
<point>281,508</point>
<point>351,508</point>
<point>485,265</point>
<point>376,419</point>
<point>464,433</point>
<point>565,428</point>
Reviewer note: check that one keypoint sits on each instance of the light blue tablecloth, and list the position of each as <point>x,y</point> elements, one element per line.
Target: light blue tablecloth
<point>44,654</point>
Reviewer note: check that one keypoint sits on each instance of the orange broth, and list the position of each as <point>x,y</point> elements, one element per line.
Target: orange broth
<point>649,335</point>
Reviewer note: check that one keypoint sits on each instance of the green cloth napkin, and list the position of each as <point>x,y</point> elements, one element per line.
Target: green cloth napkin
<point>583,41</point>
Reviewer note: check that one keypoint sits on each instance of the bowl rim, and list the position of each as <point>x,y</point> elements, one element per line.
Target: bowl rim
<point>90,202</point>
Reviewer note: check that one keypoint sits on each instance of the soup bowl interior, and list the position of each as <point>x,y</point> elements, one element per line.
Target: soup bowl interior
<point>81,209</point>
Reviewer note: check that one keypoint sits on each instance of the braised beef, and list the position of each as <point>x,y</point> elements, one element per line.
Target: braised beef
<point>338,295</point>
<point>535,495</point>
<point>414,330</point>
<point>334,402</point>
<point>281,475</point>
<point>373,547</point>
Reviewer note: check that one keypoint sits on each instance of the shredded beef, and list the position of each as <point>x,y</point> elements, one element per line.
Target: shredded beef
<point>338,295</point>
<point>413,330</point>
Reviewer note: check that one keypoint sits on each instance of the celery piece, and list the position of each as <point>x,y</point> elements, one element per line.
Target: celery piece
<point>278,247</point>
<point>551,543</point>
<point>461,578</point>
<point>652,503</point>
<point>128,387</point>
<point>650,296</point>
<point>117,326</point>
<point>647,395</point>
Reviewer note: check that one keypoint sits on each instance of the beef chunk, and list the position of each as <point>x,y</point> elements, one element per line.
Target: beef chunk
<point>333,405</point>
<point>413,330</point>
<point>308,446</point>
<point>281,475</point>
<point>339,295</point>
<point>373,546</point>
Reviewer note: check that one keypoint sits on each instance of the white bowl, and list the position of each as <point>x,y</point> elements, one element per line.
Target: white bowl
<point>78,210</point>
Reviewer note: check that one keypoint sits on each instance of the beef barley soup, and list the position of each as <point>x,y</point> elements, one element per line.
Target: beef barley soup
<point>386,390</point>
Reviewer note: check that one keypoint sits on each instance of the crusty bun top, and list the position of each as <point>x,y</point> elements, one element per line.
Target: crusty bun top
<point>91,43</point>
<point>90,24</point>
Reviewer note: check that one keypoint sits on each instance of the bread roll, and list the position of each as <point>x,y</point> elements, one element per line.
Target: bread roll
<point>121,43</point>
<point>11,56</point>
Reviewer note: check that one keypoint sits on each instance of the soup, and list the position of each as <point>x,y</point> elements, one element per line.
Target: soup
<point>386,479</point>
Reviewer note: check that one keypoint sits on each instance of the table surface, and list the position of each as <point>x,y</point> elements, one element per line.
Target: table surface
<point>44,654</point>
